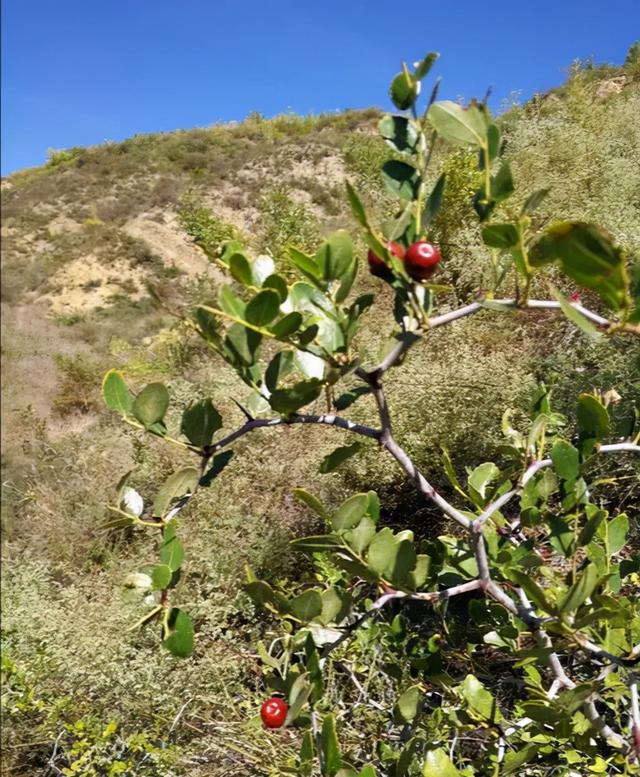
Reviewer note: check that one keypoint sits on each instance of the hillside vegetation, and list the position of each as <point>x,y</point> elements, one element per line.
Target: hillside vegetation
<point>91,240</point>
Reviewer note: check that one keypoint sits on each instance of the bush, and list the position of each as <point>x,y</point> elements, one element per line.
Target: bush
<point>203,226</point>
<point>285,222</point>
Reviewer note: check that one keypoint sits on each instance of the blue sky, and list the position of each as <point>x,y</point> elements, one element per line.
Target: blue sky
<point>78,72</point>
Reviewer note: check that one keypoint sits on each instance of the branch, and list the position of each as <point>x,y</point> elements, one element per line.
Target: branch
<point>532,470</point>
<point>423,485</point>
<point>409,339</point>
<point>427,596</point>
<point>328,419</point>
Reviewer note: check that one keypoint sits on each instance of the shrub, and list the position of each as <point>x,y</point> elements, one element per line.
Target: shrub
<point>285,222</point>
<point>534,565</point>
<point>79,384</point>
<point>204,227</point>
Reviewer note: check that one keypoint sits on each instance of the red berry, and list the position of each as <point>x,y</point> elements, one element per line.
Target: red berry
<point>274,712</point>
<point>378,266</point>
<point>421,260</point>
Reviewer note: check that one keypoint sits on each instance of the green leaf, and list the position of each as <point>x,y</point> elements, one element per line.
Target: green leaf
<point>595,517</point>
<point>399,132</point>
<point>231,303</point>
<point>288,401</point>
<point>279,367</point>
<point>383,553</point>
<point>318,543</point>
<point>208,325</point>
<point>116,393</point>
<point>151,404</point>
<point>359,537</point>
<point>278,284</point>
<point>305,263</point>
<point>481,476</point>
<point>532,589</point>
<point>357,208</point>
<point>434,202</point>
<point>500,235</point>
<point>298,695</point>
<point>161,577</point>
<point>336,604</point>
<point>265,656</point>
<point>438,764</point>
<point>200,422</point>
<point>346,283</point>
<point>310,500</point>
<point>493,145</point>
<point>286,326</point>
<point>408,705</point>
<point>589,256</point>
<point>355,568</point>
<point>400,179</point>
<point>330,747</point>
<point>182,482</point>
<point>593,418</point>
<point>566,459</point>
<point>263,308</point>
<point>335,256</point>
<point>460,126</point>
<point>515,759</point>
<point>480,703</point>
<point>502,183</point>
<point>373,508</point>
<point>580,590</point>
<point>561,536</point>
<point>307,754</point>
<point>240,268</point>
<point>262,593</point>
<point>350,512</point>
<point>617,530</point>
<point>307,606</point>
<point>418,576</point>
<point>404,90</point>
<point>424,66</point>
<point>171,551</point>
<point>338,457</point>
<point>180,640</point>
<point>583,323</point>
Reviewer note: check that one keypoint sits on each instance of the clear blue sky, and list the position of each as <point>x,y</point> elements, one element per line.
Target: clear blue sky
<point>78,72</point>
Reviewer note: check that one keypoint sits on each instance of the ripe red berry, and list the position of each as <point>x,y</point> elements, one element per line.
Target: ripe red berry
<point>274,712</point>
<point>378,266</point>
<point>421,260</point>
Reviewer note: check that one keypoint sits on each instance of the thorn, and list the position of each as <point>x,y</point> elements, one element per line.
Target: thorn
<point>244,410</point>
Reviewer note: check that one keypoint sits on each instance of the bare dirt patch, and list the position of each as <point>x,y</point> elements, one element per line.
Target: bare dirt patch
<point>86,284</point>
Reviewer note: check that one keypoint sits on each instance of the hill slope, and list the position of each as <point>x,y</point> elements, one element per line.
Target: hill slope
<point>82,238</point>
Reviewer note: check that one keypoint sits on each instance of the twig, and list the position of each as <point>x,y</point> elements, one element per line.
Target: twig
<point>178,716</point>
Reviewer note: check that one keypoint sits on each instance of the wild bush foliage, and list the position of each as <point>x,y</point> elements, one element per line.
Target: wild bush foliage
<point>513,644</point>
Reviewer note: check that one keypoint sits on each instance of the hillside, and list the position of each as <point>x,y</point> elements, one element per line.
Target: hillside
<point>83,238</point>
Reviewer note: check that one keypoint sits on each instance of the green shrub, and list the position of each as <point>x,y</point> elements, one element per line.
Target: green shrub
<point>203,226</point>
<point>284,221</point>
